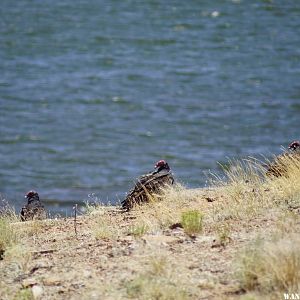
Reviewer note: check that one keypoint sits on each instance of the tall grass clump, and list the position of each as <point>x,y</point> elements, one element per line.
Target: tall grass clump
<point>285,189</point>
<point>250,171</point>
<point>243,188</point>
<point>7,212</point>
<point>7,236</point>
<point>192,222</point>
<point>272,266</point>
<point>251,190</point>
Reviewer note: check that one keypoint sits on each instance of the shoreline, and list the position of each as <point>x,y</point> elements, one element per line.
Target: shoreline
<point>188,244</point>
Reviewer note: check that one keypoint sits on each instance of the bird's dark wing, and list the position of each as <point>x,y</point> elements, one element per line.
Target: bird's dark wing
<point>147,185</point>
<point>33,211</point>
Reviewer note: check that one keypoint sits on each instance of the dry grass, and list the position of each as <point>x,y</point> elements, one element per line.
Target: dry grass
<point>266,267</point>
<point>156,283</point>
<point>112,256</point>
<point>20,256</point>
<point>103,230</point>
<point>104,226</point>
<point>223,234</point>
<point>7,236</point>
<point>271,266</point>
<point>166,209</point>
<point>7,212</point>
<point>33,228</point>
<point>249,192</point>
<point>286,189</point>
<point>243,186</point>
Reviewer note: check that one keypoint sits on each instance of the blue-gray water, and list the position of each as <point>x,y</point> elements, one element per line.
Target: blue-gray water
<point>92,93</point>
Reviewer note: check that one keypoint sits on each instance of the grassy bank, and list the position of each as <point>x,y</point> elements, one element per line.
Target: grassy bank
<point>238,239</point>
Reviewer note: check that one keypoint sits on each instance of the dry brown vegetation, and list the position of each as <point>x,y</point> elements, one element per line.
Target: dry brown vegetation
<point>238,239</point>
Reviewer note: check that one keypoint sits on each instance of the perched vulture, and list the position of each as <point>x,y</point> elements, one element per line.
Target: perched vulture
<point>278,167</point>
<point>34,209</point>
<point>149,184</point>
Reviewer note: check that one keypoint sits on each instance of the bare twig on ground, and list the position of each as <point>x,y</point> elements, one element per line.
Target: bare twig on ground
<point>75,219</point>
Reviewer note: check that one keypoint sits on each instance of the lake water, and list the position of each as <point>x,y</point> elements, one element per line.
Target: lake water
<point>93,93</point>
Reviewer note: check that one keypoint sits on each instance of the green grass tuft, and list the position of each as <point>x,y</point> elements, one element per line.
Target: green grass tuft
<point>192,222</point>
<point>138,230</point>
<point>24,294</point>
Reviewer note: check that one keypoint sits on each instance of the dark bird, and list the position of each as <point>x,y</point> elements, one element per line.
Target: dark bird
<point>295,146</point>
<point>278,167</point>
<point>149,184</point>
<point>34,209</point>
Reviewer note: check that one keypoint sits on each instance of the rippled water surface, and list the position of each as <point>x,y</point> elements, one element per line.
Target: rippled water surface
<point>92,93</point>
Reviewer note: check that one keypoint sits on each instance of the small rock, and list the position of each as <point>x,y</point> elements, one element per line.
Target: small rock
<point>37,291</point>
<point>87,274</point>
<point>160,239</point>
<point>29,282</point>
<point>52,280</point>
<point>128,238</point>
<point>175,226</point>
<point>209,199</point>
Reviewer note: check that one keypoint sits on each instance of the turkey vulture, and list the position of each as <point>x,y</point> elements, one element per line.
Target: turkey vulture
<point>278,167</point>
<point>295,146</point>
<point>34,209</point>
<point>149,184</point>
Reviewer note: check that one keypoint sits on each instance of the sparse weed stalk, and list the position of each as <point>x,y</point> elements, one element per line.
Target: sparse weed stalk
<point>192,222</point>
<point>93,204</point>
<point>223,234</point>
<point>89,208</point>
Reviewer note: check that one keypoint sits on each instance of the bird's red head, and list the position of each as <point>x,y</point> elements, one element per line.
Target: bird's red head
<point>162,164</point>
<point>294,145</point>
<point>31,194</point>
